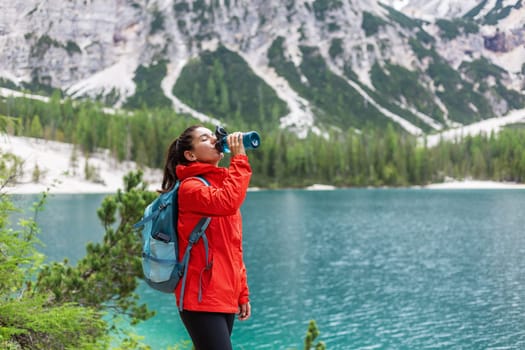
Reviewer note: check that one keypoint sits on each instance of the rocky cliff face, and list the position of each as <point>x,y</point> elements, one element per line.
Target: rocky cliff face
<point>63,42</point>
<point>94,48</point>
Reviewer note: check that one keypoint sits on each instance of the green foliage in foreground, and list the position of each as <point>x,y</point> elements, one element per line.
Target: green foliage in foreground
<point>31,318</point>
<point>311,335</point>
<point>112,267</point>
<point>59,306</point>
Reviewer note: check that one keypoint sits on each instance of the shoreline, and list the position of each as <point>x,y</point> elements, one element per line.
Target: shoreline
<point>62,171</point>
<point>72,187</point>
<point>61,168</point>
<point>475,185</point>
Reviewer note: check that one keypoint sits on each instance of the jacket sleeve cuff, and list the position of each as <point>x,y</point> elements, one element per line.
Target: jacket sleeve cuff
<point>241,157</point>
<point>244,300</point>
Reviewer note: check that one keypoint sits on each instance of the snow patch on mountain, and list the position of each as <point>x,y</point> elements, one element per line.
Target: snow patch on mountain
<point>433,9</point>
<point>118,77</point>
<point>482,127</point>
<point>511,61</point>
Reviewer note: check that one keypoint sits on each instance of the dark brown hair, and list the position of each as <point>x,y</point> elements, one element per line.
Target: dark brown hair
<point>175,156</point>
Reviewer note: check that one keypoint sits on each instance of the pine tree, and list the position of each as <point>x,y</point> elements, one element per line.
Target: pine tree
<point>35,176</point>
<point>311,335</point>
<point>36,127</point>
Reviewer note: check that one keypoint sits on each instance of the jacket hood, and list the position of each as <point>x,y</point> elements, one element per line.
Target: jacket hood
<point>197,168</point>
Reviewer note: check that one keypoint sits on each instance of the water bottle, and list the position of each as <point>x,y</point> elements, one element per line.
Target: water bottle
<point>250,139</point>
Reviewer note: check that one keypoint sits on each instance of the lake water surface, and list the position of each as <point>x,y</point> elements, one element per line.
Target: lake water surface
<point>376,269</point>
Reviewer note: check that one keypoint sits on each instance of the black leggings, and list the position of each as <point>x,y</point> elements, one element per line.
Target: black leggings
<point>209,330</point>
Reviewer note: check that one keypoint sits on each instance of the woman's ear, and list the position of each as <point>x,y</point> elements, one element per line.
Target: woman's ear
<point>190,156</point>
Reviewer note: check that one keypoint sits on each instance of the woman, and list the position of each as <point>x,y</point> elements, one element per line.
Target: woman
<point>216,289</point>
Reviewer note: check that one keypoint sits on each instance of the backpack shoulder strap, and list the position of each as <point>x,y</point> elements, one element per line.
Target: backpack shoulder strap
<point>200,177</point>
<point>155,213</point>
<point>203,179</point>
<point>197,233</point>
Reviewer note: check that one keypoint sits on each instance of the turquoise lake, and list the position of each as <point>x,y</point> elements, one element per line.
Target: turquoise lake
<point>376,268</point>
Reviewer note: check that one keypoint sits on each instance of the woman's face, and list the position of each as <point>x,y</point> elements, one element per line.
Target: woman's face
<point>204,150</point>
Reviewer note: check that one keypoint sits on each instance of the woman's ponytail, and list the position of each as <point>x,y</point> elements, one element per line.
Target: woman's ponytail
<point>175,156</point>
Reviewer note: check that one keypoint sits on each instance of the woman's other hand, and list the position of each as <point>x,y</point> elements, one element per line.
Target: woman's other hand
<point>245,311</point>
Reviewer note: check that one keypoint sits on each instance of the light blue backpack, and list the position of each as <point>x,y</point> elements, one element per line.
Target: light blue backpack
<point>160,247</point>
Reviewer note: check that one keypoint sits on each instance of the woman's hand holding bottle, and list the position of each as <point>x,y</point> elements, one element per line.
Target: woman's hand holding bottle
<point>235,143</point>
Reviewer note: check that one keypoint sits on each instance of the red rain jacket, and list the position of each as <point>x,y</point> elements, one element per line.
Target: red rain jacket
<point>224,286</point>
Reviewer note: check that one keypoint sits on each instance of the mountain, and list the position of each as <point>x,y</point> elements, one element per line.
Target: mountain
<point>305,65</point>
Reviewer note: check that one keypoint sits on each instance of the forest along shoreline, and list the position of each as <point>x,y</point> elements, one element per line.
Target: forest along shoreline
<point>61,173</point>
